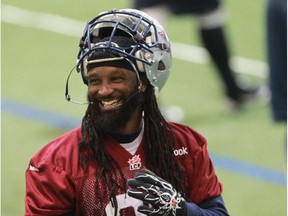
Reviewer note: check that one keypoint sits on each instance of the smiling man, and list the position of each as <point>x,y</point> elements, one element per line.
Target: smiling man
<point>125,158</point>
<point>115,90</point>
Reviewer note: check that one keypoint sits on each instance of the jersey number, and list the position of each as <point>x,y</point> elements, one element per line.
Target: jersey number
<point>126,206</point>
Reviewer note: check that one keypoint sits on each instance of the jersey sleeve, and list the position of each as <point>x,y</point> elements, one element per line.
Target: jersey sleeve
<point>211,207</point>
<point>202,181</point>
<point>49,191</point>
<point>205,183</point>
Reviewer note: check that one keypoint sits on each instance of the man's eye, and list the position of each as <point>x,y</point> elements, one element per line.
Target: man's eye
<point>93,81</point>
<point>117,79</point>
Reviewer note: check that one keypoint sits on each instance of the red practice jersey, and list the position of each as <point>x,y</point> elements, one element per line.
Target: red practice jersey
<point>57,185</point>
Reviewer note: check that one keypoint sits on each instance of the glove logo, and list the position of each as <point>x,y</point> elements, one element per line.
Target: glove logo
<point>135,162</point>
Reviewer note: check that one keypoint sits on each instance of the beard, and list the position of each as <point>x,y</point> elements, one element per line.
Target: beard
<point>110,120</point>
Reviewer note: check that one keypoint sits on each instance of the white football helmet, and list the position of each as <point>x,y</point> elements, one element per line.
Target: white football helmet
<point>149,52</point>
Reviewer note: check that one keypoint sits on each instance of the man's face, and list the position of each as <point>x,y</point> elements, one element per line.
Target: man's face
<point>113,92</point>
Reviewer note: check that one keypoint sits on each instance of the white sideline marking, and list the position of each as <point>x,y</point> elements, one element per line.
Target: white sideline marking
<point>199,55</point>
<point>43,21</point>
<point>70,27</point>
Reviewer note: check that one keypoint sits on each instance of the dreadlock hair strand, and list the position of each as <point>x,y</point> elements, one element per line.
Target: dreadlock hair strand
<point>159,144</point>
<point>91,150</point>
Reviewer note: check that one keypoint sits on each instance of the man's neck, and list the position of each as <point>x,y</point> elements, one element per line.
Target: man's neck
<point>134,125</point>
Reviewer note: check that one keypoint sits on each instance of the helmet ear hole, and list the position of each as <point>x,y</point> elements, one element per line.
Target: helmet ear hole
<point>161,66</point>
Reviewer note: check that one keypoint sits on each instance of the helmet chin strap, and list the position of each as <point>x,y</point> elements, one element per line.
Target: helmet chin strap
<point>139,90</point>
<point>136,71</point>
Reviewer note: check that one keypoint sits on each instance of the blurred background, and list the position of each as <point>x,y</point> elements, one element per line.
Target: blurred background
<point>39,48</point>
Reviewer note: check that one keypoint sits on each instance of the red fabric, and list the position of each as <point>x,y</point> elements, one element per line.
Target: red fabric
<point>60,186</point>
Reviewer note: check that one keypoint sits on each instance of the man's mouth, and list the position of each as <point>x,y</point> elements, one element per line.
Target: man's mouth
<point>110,104</point>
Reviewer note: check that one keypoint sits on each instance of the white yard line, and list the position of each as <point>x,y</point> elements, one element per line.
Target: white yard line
<point>74,28</point>
<point>199,55</point>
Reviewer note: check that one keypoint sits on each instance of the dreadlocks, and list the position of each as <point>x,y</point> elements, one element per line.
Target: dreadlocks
<point>158,137</point>
<point>159,144</point>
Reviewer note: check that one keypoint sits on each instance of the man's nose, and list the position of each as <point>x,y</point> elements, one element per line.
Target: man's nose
<point>105,89</point>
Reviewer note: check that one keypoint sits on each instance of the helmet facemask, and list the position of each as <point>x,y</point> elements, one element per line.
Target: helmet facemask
<point>128,35</point>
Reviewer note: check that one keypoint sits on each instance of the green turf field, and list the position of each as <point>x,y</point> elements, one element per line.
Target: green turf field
<point>36,61</point>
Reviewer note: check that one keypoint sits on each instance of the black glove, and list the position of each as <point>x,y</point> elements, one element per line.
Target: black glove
<point>162,198</point>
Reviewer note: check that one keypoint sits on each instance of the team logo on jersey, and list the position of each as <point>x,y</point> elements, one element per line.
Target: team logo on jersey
<point>135,162</point>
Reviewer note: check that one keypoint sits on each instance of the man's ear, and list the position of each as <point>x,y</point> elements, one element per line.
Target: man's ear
<point>144,84</point>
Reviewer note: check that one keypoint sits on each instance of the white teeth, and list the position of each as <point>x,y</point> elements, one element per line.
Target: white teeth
<point>109,103</point>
